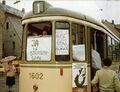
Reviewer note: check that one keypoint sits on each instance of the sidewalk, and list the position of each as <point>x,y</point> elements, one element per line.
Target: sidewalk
<point>3,87</point>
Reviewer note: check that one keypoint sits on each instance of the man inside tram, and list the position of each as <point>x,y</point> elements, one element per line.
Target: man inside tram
<point>96,60</point>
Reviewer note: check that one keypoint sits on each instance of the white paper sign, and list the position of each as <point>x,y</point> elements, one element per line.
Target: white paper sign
<point>39,48</point>
<point>62,42</point>
<point>79,52</point>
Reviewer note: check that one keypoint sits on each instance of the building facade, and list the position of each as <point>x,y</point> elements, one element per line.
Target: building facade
<point>10,31</point>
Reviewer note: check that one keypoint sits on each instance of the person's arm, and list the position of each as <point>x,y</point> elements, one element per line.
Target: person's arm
<point>95,88</point>
<point>95,80</point>
<point>7,69</point>
<point>14,68</point>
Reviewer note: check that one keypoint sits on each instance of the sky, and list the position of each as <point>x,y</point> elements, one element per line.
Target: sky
<point>97,9</point>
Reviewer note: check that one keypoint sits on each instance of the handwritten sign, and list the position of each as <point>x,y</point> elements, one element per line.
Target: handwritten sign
<point>39,48</point>
<point>62,42</point>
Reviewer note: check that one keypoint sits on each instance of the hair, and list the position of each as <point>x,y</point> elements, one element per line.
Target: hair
<point>9,62</point>
<point>107,62</point>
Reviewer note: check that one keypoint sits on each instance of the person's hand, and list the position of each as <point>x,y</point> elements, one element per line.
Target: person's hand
<point>95,88</point>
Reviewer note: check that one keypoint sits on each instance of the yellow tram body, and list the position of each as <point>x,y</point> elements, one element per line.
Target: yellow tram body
<point>47,77</point>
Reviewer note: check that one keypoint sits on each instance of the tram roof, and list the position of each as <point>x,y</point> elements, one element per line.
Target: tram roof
<point>53,11</point>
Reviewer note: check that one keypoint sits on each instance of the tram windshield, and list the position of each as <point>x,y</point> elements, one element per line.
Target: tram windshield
<point>39,33</point>
<point>39,41</point>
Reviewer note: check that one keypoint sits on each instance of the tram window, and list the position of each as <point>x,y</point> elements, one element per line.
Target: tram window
<point>109,47</point>
<point>97,41</point>
<point>117,51</point>
<point>113,50</point>
<point>36,29</point>
<point>39,46</point>
<point>62,41</point>
<point>78,42</point>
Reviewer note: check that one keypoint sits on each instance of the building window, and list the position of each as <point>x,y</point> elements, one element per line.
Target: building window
<point>7,25</point>
<point>3,46</point>
<point>13,45</point>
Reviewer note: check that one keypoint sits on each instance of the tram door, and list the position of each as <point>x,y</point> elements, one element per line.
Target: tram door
<point>98,45</point>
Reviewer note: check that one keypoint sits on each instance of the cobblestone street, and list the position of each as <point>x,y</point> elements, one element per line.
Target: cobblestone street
<point>3,87</point>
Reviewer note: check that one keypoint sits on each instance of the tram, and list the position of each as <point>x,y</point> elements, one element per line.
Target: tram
<point>60,60</point>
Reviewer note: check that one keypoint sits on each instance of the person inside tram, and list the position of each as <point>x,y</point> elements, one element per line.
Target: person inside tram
<point>34,34</point>
<point>30,33</point>
<point>47,30</point>
<point>44,33</point>
<point>107,78</point>
<point>73,39</point>
<point>96,60</point>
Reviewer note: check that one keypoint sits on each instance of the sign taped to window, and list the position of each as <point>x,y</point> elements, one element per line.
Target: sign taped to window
<point>62,42</point>
<point>39,48</point>
<point>79,52</point>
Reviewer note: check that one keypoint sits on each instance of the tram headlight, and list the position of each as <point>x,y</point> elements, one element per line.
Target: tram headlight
<point>40,6</point>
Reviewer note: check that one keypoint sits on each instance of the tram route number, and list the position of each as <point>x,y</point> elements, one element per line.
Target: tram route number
<point>36,76</point>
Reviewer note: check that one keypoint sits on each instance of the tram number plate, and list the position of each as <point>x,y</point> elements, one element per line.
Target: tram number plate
<point>36,76</point>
